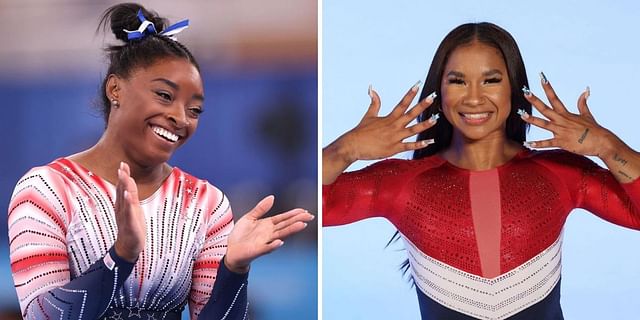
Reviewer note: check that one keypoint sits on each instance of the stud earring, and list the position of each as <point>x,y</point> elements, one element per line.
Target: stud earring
<point>115,103</point>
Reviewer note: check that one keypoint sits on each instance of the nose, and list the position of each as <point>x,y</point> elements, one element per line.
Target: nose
<point>474,95</point>
<point>178,117</point>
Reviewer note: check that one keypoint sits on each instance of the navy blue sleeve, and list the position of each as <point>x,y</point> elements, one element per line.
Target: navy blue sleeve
<point>85,297</point>
<point>229,296</point>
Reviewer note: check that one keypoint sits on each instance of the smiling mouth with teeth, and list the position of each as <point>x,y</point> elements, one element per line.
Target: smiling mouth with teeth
<point>475,115</point>
<point>167,135</point>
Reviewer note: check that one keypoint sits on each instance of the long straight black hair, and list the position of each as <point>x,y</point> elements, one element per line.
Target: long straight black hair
<point>494,36</point>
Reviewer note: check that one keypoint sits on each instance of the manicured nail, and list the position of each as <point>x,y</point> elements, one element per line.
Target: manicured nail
<point>588,91</point>
<point>428,142</point>
<point>529,144</point>
<point>543,78</point>
<point>526,91</point>
<point>121,165</point>
<point>369,91</point>
<point>416,86</point>
<point>523,114</point>
<point>125,194</point>
<point>434,118</point>
<point>432,96</point>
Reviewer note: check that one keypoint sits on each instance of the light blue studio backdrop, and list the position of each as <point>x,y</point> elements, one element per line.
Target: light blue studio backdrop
<point>390,44</point>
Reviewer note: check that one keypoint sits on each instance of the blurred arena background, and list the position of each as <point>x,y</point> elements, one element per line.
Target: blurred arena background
<point>258,135</point>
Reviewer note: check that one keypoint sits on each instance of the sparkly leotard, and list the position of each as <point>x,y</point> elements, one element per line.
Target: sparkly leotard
<point>62,229</point>
<point>483,244</point>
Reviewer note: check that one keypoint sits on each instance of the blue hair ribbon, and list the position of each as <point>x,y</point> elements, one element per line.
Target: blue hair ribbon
<point>147,27</point>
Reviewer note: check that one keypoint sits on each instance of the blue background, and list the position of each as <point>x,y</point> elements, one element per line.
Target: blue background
<point>390,44</point>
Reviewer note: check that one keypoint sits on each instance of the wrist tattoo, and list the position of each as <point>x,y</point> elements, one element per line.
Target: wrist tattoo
<point>583,136</point>
<point>624,174</point>
<point>617,158</point>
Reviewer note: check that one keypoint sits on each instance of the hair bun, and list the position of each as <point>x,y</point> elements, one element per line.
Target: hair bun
<point>124,16</point>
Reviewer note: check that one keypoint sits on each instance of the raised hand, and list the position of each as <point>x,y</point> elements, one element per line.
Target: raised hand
<point>377,137</point>
<point>254,236</point>
<point>129,217</point>
<point>581,134</point>
<point>577,133</point>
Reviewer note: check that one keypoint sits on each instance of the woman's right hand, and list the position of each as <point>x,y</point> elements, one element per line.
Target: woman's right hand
<point>378,137</point>
<point>129,217</point>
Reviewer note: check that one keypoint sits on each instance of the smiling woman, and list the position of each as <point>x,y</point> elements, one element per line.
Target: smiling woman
<point>116,232</point>
<point>481,216</point>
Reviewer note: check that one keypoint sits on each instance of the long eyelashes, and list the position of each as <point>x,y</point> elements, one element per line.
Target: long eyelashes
<point>163,95</point>
<point>461,81</point>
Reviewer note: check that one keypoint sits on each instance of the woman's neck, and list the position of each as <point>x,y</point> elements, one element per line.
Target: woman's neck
<point>104,158</point>
<point>484,154</point>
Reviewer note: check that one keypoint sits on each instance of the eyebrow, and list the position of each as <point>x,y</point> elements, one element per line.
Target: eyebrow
<point>484,74</point>
<point>175,86</point>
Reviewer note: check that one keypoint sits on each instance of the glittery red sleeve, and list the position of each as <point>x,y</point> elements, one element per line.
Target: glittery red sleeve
<point>366,193</point>
<point>595,189</point>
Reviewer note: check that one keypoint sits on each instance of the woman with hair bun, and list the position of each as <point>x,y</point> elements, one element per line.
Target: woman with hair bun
<point>481,215</point>
<point>115,232</point>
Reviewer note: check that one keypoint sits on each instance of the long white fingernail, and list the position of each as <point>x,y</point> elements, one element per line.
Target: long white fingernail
<point>529,144</point>
<point>428,142</point>
<point>125,194</point>
<point>523,114</point>
<point>416,86</point>
<point>434,118</point>
<point>588,91</point>
<point>369,91</point>
<point>432,96</point>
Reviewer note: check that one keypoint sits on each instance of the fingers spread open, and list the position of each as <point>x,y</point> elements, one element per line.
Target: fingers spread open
<point>418,127</point>
<point>399,110</point>
<point>555,102</point>
<point>541,123</point>
<point>416,110</point>
<point>542,107</point>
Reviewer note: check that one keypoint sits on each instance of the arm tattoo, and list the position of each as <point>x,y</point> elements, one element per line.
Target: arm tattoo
<point>624,174</point>
<point>617,158</point>
<point>583,136</point>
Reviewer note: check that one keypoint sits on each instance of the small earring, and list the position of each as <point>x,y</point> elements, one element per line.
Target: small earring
<point>115,103</point>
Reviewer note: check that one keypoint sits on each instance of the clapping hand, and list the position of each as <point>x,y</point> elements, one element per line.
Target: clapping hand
<point>254,236</point>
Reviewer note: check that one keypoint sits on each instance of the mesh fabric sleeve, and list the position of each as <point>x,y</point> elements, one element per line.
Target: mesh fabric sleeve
<point>366,193</point>
<point>216,292</point>
<point>39,213</point>
<point>595,189</point>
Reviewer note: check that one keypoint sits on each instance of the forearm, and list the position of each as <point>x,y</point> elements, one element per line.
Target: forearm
<point>229,296</point>
<point>335,159</point>
<point>622,161</point>
<point>85,297</point>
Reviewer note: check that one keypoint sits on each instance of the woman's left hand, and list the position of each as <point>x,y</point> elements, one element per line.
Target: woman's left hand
<point>577,133</point>
<point>254,236</point>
